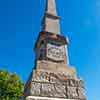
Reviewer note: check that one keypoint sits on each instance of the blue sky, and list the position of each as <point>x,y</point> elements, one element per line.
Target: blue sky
<point>20,23</point>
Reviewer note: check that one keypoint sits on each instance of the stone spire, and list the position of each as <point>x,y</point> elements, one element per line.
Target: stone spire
<point>51,20</point>
<point>51,7</point>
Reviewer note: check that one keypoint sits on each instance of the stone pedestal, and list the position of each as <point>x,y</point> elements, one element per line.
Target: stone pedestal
<point>48,85</point>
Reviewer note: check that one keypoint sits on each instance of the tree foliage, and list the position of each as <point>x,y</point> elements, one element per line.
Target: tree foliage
<point>11,87</point>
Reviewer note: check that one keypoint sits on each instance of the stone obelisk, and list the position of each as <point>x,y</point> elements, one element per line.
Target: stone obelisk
<point>53,77</point>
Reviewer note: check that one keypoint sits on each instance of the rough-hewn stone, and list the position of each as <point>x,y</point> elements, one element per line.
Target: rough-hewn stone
<point>40,76</point>
<point>81,93</point>
<point>72,92</point>
<point>59,90</point>
<point>47,90</point>
<point>35,88</point>
<point>56,85</point>
<point>56,67</point>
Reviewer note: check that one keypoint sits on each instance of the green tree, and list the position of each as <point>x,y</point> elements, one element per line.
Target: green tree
<point>11,87</point>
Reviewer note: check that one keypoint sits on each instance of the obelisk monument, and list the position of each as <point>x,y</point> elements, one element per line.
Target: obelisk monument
<point>53,77</point>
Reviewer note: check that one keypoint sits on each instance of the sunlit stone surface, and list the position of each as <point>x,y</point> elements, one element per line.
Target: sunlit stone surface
<point>56,85</point>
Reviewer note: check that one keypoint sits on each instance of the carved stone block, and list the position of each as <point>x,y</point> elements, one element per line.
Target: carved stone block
<point>72,92</point>
<point>72,82</point>
<point>60,90</point>
<point>81,93</point>
<point>41,77</point>
<point>47,90</point>
<point>58,78</point>
<point>35,88</point>
<point>53,78</point>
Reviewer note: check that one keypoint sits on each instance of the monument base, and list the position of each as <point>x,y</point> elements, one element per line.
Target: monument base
<point>50,85</point>
<point>46,98</point>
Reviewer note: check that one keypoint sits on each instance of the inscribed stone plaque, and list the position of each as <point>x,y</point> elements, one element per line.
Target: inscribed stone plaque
<point>55,52</point>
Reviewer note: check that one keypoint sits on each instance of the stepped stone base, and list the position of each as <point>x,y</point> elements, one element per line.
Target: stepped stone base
<point>54,85</point>
<point>51,81</point>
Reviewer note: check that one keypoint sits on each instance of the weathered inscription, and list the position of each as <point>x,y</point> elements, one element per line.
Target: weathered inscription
<point>55,52</point>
